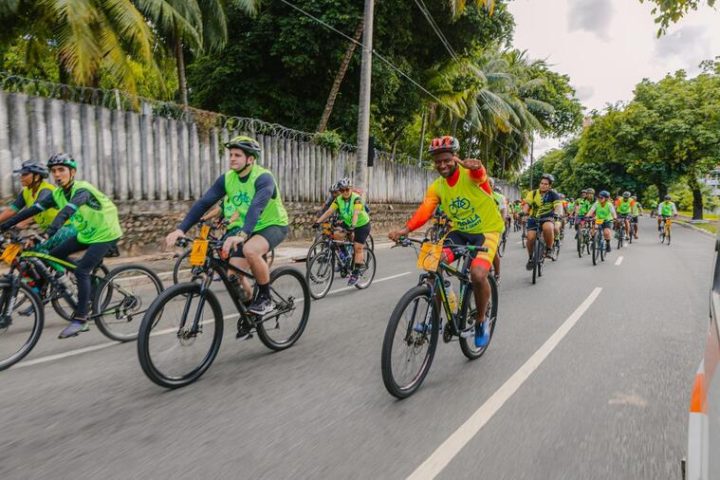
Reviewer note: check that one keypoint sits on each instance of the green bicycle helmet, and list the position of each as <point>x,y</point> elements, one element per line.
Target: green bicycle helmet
<point>62,159</point>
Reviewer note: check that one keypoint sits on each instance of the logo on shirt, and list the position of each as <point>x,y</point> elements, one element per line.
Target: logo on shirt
<point>463,214</point>
<point>241,198</point>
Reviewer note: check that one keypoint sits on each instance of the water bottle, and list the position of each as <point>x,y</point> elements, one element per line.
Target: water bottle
<point>452,301</point>
<point>64,281</point>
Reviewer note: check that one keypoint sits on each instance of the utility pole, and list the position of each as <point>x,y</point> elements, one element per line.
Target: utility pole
<point>363,135</point>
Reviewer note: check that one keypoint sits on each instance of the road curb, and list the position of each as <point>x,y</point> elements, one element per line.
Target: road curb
<point>693,227</point>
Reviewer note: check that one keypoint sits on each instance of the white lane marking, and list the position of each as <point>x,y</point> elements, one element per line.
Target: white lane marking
<point>92,348</point>
<point>441,457</point>
<point>345,289</point>
<point>619,260</point>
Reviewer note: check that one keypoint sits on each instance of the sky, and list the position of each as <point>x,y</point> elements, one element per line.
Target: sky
<point>606,47</point>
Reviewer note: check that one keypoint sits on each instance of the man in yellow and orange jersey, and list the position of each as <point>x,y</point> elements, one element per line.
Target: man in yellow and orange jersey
<point>463,190</point>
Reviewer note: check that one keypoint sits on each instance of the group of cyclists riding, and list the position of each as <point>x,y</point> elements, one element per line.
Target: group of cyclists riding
<point>76,216</point>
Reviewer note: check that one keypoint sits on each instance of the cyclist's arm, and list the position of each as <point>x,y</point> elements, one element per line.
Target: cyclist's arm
<point>613,212</point>
<point>264,191</point>
<point>13,208</point>
<point>331,210</point>
<point>41,205</point>
<point>425,211</point>
<point>659,209</point>
<point>674,209</point>
<point>357,208</point>
<point>210,198</point>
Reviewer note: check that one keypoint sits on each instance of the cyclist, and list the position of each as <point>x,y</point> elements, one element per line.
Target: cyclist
<point>34,188</point>
<point>564,214</point>
<point>635,213</point>
<point>665,210</point>
<point>604,210</point>
<point>333,193</point>
<point>502,207</point>
<point>624,206</point>
<point>464,191</point>
<point>653,207</point>
<point>356,221</point>
<point>571,211</point>
<point>258,219</point>
<point>543,206</point>
<point>95,218</point>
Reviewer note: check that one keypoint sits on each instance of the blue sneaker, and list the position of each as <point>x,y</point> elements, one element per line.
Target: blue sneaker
<point>421,327</point>
<point>75,327</point>
<point>482,334</point>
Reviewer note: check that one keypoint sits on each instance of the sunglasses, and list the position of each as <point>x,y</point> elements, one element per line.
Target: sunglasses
<point>344,189</point>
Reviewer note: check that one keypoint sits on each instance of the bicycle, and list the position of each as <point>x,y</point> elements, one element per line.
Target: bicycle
<point>440,226</point>
<point>328,230</point>
<point>665,228</point>
<point>337,255</point>
<point>182,330</point>
<point>523,235</point>
<point>583,237</point>
<point>416,322</point>
<point>217,232</point>
<point>502,244</point>
<point>598,243</point>
<point>36,278</point>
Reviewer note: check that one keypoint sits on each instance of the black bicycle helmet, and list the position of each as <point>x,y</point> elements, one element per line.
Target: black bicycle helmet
<point>548,177</point>
<point>32,166</point>
<point>248,145</point>
<point>62,159</point>
<point>604,194</point>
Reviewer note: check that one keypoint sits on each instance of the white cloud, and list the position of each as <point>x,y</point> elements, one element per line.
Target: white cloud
<point>608,46</point>
<point>591,15</point>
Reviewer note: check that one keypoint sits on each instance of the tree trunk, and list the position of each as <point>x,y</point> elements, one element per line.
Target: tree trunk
<point>339,78</point>
<point>180,61</point>
<point>697,198</point>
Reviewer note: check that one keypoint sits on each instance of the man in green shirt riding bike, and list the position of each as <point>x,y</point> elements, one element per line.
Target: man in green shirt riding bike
<point>254,208</point>
<point>96,221</point>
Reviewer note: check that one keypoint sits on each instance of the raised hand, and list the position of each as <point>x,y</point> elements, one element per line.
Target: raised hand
<point>470,163</point>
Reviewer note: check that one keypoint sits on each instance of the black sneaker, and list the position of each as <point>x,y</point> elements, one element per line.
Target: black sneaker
<point>530,264</point>
<point>261,306</point>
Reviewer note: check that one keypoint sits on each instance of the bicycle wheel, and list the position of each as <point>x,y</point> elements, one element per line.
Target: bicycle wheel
<point>580,245</point>
<point>314,249</point>
<point>536,261</point>
<point>523,237</point>
<point>503,243</point>
<point>410,341</point>
<point>173,354</point>
<point>601,247</point>
<point>284,326</point>
<point>368,273</point>
<point>122,300</point>
<point>60,303</point>
<point>467,345</point>
<point>21,322</point>
<point>621,234</point>
<point>370,243</point>
<point>181,267</point>
<point>668,237</point>
<point>556,250</point>
<point>270,257</point>
<point>320,273</point>
<point>594,247</point>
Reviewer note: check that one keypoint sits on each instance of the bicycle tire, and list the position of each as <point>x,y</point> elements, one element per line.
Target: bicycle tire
<point>313,250</point>
<point>178,266</point>
<point>467,345</point>
<point>579,244</point>
<point>262,329</point>
<point>59,303</point>
<point>130,304</point>
<point>323,278</point>
<point>594,248</point>
<point>397,388</point>
<point>370,266</point>
<point>621,234</point>
<point>370,242</point>
<point>152,318</point>
<point>36,305</point>
<point>536,261</point>
<point>602,248</point>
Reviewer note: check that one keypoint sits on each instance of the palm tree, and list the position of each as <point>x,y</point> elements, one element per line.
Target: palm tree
<point>87,35</point>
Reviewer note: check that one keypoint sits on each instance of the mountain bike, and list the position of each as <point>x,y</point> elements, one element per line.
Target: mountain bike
<point>330,230</point>
<point>35,278</point>
<point>439,227</point>
<point>217,231</point>
<point>181,332</point>
<point>539,252</point>
<point>665,229</point>
<point>429,310</point>
<point>337,255</point>
<point>598,243</point>
<point>583,237</point>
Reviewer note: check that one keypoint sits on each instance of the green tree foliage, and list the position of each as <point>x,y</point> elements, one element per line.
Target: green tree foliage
<point>670,11</point>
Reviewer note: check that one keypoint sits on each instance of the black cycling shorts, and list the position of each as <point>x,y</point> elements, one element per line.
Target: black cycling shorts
<point>274,234</point>
<point>361,233</point>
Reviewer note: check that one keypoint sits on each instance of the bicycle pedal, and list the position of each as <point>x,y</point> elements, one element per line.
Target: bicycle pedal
<point>242,336</point>
<point>468,332</point>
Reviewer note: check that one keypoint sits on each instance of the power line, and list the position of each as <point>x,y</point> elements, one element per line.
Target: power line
<point>443,39</point>
<point>389,63</point>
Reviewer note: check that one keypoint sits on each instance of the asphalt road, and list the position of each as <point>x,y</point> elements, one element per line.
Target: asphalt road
<point>588,376</point>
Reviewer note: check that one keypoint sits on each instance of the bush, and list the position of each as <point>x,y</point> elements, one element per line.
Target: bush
<point>329,139</point>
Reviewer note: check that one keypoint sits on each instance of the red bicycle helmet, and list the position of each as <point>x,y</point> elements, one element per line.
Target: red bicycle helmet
<point>444,144</point>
